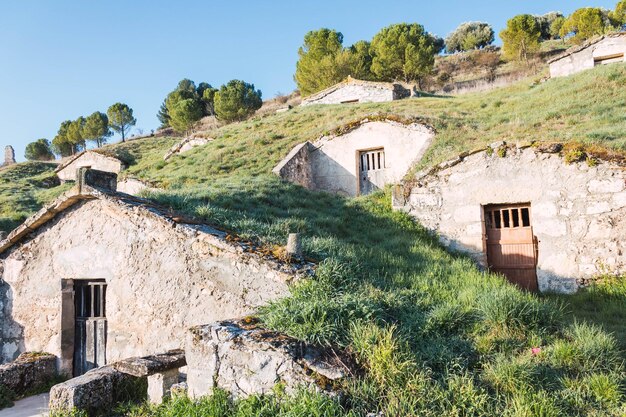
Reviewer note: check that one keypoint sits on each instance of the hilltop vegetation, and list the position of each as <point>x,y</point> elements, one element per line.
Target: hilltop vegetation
<point>586,108</point>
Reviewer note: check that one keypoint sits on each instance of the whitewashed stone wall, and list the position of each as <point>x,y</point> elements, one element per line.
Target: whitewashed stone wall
<point>584,58</point>
<point>352,90</point>
<point>331,164</point>
<point>578,212</point>
<point>162,278</point>
<point>91,159</point>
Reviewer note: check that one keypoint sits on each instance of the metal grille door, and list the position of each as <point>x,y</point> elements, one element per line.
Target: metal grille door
<point>511,245</point>
<point>371,170</point>
<point>91,325</point>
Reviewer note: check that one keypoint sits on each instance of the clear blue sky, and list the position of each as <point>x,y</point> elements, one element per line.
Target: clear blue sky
<point>63,59</point>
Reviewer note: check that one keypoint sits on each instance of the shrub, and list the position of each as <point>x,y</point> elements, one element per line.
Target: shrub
<point>468,36</point>
<point>237,100</point>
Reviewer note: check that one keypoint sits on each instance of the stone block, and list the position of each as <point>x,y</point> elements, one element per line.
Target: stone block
<point>618,200</point>
<point>98,389</point>
<point>606,186</point>
<point>28,371</point>
<point>149,365</point>
<point>160,385</point>
<point>246,360</point>
<point>598,207</point>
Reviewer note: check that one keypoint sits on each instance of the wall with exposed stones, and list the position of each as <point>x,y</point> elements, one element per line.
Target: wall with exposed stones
<point>90,159</point>
<point>358,91</point>
<point>578,211</point>
<point>246,360</point>
<point>585,57</point>
<point>163,277</point>
<point>332,163</point>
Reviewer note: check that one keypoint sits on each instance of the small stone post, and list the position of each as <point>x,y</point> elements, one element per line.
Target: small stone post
<point>294,246</point>
<point>160,385</point>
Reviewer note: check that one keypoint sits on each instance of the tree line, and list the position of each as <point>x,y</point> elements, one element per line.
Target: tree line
<point>406,52</point>
<point>188,103</point>
<point>73,135</point>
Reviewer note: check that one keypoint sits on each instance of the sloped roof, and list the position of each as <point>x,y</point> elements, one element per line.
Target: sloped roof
<point>585,45</point>
<point>65,164</point>
<point>352,81</point>
<point>134,205</point>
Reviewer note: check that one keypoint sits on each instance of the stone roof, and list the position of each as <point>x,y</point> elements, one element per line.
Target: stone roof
<point>585,45</point>
<point>84,192</point>
<point>73,158</point>
<point>352,81</point>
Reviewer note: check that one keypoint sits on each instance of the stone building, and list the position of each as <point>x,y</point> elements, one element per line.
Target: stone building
<point>98,276</point>
<point>357,91</point>
<point>359,158</point>
<point>529,215</point>
<point>9,156</point>
<point>67,170</point>
<point>602,50</point>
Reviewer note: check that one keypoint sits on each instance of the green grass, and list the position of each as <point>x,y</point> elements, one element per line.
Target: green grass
<point>24,189</point>
<point>602,303</point>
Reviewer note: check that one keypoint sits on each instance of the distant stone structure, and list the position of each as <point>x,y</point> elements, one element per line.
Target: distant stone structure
<point>357,91</point>
<point>185,145</point>
<point>524,212</point>
<point>359,158</point>
<point>67,170</point>
<point>9,156</point>
<point>601,50</point>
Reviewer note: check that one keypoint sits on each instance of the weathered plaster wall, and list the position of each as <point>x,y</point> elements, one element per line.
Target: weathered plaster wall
<point>162,279</point>
<point>584,59</point>
<point>578,212</point>
<point>334,161</point>
<point>93,160</point>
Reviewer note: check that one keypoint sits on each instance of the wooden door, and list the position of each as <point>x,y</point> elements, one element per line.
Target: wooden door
<point>511,245</point>
<point>90,334</point>
<point>371,170</point>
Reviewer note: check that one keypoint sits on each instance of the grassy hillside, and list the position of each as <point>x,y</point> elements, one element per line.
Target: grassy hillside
<point>24,188</point>
<point>586,108</point>
<point>435,336</point>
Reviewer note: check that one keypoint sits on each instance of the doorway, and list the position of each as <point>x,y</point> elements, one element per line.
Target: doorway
<point>90,326</point>
<point>510,243</point>
<point>371,170</point>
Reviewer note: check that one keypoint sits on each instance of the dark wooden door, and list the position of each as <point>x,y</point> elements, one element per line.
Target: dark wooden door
<point>511,245</point>
<point>371,170</point>
<point>91,325</point>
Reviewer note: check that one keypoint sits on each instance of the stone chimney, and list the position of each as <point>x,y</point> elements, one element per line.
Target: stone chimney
<point>92,178</point>
<point>9,156</point>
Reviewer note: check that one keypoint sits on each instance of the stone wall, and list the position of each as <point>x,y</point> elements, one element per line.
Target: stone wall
<point>90,159</point>
<point>358,91</point>
<point>28,372</point>
<point>296,167</point>
<point>163,277</point>
<point>584,57</point>
<point>578,211</point>
<point>333,161</point>
<point>246,360</point>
